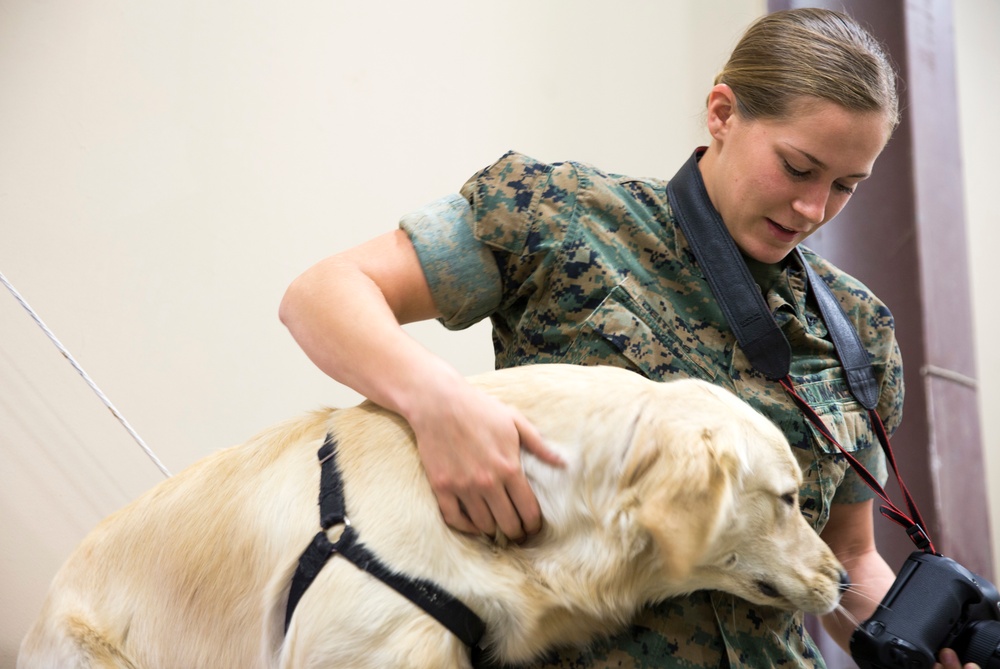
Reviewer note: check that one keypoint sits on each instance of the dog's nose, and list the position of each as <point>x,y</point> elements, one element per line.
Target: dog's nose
<point>845,581</point>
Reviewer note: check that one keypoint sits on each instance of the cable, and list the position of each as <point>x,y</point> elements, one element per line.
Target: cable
<point>93,386</point>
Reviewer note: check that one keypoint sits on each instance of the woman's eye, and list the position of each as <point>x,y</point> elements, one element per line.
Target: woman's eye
<point>794,172</point>
<point>799,174</point>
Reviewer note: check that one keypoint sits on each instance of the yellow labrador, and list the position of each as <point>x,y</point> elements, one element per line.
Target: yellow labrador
<point>668,488</point>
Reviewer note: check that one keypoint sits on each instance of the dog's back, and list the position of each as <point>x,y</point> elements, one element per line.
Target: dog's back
<point>182,567</point>
<point>196,572</point>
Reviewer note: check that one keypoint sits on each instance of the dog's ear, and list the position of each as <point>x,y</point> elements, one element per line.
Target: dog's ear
<point>680,499</point>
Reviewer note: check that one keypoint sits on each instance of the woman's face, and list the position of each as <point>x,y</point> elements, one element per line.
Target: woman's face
<point>775,182</point>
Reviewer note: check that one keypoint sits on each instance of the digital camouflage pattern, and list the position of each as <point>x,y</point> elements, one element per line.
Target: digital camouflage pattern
<point>575,265</point>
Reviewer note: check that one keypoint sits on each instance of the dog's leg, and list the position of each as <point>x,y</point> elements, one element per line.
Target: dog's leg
<point>102,652</point>
<point>72,643</point>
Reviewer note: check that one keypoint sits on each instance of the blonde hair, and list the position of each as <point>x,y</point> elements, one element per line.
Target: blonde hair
<point>787,56</point>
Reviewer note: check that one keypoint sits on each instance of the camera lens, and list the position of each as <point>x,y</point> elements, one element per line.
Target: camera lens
<point>979,642</point>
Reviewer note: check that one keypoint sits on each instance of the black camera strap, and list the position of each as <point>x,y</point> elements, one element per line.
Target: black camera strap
<point>762,340</point>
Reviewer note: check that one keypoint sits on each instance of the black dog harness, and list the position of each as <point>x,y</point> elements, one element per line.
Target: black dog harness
<point>443,607</point>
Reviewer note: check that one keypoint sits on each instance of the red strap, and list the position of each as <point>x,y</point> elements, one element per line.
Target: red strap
<point>913,523</point>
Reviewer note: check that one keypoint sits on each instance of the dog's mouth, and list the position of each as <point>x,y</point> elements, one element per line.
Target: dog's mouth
<point>774,597</point>
<point>816,603</point>
<point>768,590</point>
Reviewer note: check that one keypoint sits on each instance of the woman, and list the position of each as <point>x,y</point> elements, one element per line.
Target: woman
<point>575,265</point>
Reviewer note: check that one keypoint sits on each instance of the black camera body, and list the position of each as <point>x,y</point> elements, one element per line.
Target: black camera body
<point>934,603</point>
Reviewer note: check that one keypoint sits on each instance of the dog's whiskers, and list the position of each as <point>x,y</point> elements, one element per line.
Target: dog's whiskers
<point>847,615</point>
<point>855,590</point>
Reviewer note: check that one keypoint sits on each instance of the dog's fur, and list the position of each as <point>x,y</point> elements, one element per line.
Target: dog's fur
<point>668,488</point>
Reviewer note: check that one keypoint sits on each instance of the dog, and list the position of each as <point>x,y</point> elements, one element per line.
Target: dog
<point>667,488</point>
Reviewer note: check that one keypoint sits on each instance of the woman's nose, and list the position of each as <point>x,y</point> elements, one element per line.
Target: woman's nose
<point>811,203</point>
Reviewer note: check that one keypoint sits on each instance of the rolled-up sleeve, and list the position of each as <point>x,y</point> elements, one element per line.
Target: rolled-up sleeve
<point>461,271</point>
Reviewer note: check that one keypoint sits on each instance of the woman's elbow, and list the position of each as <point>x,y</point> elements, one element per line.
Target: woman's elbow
<point>286,308</point>
<point>295,301</point>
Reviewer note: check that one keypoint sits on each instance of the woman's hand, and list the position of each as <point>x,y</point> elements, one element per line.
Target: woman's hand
<point>949,660</point>
<point>346,311</point>
<point>470,444</point>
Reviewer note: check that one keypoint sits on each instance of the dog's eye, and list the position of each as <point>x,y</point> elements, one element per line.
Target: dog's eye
<point>788,498</point>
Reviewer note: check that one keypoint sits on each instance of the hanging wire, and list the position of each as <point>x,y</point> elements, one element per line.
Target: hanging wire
<point>90,382</point>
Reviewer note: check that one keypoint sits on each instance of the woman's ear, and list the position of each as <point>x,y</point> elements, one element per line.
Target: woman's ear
<point>721,110</point>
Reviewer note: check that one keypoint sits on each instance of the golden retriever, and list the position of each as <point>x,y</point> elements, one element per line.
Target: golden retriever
<point>668,488</point>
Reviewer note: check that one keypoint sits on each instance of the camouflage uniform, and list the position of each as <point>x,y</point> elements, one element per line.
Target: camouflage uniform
<point>575,265</point>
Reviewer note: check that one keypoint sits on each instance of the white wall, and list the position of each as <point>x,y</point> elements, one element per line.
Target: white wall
<point>977,24</point>
<point>167,168</point>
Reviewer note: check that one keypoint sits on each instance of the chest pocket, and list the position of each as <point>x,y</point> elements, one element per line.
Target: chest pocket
<point>842,414</point>
<point>824,468</point>
<point>635,324</point>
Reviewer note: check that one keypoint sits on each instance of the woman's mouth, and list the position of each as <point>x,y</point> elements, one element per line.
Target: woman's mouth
<point>781,232</point>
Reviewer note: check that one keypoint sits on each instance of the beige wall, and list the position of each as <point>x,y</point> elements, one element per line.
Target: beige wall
<point>167,168</point>
<point>977,25</point>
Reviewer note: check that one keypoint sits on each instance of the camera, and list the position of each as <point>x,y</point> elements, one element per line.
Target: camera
<point>934,603</point>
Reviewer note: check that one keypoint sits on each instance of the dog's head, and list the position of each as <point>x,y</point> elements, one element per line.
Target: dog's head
<point>740,529</point>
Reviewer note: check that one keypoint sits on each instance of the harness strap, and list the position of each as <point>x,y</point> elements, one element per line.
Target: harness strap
<point>436,602</point>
